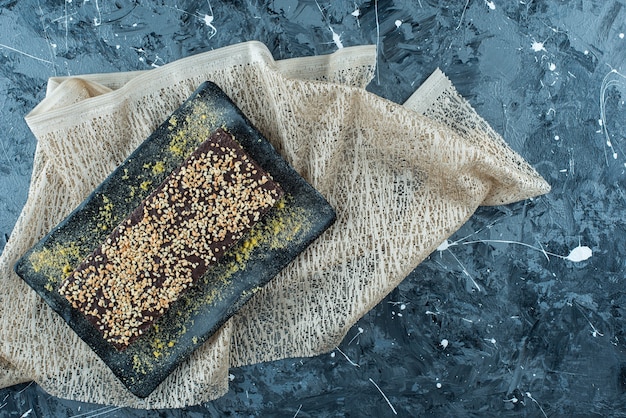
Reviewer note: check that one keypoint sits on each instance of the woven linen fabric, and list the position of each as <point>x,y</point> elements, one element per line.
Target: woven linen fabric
<point>402,179</point>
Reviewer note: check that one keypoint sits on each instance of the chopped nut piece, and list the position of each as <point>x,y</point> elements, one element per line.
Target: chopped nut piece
<point>171,239</point>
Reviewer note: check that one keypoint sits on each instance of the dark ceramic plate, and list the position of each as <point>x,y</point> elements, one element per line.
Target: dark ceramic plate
<point>277,239</point>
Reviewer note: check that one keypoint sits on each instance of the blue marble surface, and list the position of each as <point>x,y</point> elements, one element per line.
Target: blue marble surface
<point>544,336</point>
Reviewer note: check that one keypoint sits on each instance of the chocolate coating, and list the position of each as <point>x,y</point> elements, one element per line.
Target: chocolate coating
<point>170,240</point>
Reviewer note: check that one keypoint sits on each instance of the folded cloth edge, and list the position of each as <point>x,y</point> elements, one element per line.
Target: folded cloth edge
<point>120,83</point>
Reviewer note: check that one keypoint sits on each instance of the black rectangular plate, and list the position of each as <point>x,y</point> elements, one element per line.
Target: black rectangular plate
<point>276,240</point>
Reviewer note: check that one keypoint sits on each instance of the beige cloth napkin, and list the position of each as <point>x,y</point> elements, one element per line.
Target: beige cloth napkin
<point>401,178</point>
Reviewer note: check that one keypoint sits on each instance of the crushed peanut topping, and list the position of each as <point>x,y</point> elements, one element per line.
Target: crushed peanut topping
<point>171,239</point>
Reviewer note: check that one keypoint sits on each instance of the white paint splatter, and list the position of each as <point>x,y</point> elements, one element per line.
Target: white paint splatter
<point>580,253</point>
<point>537,46</point>
<point>621,35</point>
<point>155,62</point>
<point>398,23</point>
<point>24,53</point>
<point>384,396</point>
<point>552,66</point>
<point>27,413</point>
<point>444,246</point>
<point>444,343</point>
<point>357,13</point>
<point>208,20</point>
<point>535,401</point>
<point>490,4</point>
<point>231,377</point>
<point>595,332</point>
<point>463,14</point>
<point>360,331</point>
<point>336,38</point>
<point>346,357</point>
<point>556,137</point>
<point>97,21</point>
<point>298,411</point>
<point>609,80</point>
<point>438,385</point>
